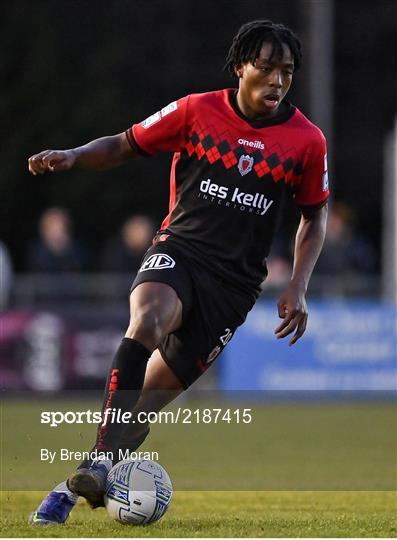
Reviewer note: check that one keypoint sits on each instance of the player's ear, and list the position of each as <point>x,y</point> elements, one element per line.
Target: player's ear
<point>238,70</point>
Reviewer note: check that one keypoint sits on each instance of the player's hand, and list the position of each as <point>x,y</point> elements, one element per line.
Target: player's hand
<point>52,161</point>
<point>292,308</point>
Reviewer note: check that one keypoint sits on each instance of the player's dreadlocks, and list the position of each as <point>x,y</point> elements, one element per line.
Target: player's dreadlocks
<point>248,41</point>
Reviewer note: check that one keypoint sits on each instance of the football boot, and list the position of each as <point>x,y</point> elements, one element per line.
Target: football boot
<point>54,509</point>
<point>90,483</point>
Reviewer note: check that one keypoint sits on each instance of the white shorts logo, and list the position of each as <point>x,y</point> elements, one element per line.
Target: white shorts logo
<point>158,261</point>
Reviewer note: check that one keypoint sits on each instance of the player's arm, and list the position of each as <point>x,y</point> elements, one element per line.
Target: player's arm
<point>101,154</point>
<point>309,240</point>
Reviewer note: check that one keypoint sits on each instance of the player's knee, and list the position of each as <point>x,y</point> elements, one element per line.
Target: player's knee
<point>147,326</point>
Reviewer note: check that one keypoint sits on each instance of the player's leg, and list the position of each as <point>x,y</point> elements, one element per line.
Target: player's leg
<point>174,276</point>
<point>156,311</point>
<point>186,354</point>
<point>160,388</point>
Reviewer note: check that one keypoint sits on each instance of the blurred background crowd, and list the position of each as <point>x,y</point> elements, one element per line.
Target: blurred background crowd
<point>86,70</point>
<point>57,248</point>
<point>77,70</point>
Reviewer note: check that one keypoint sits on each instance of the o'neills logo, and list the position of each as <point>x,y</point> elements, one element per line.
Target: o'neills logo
<point>236,198</point>
<point>252,144</point>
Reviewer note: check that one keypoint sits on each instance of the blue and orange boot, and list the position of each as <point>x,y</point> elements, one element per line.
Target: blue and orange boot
<point>54,510</point>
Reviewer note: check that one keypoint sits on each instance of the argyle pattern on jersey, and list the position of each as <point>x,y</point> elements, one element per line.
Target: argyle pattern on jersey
<point>272,163</point>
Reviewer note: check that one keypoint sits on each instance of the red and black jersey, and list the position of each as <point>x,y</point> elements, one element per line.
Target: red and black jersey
<point>228,178</point>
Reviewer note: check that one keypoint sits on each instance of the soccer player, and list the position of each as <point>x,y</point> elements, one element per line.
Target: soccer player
<point>236,152</point>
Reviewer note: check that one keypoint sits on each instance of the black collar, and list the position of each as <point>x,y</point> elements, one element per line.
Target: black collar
<point>287,110</point>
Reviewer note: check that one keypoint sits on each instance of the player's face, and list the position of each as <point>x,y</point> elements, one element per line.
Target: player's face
<point>264,83</point>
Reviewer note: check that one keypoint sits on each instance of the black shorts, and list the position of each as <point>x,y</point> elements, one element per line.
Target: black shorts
<point>212,310</point>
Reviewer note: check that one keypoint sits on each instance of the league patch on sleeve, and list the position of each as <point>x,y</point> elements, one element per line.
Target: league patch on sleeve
<point>169,109</point>
<point>325,175</point>
<point>153,119</point>
<point>156,117</point>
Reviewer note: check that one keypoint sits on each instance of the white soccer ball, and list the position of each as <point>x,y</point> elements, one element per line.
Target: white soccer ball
<point>137,492</point>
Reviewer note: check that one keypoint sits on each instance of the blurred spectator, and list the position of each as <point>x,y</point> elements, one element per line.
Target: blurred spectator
<point>344,250</point>
<point>279,272</point>
<point>6,275</point>
<point>124,253</point>
<point>55,250</point>
<point>278,264</point>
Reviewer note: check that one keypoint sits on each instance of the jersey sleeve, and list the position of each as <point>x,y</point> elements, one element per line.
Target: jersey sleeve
<point>313,189</point>
<point>163,131</point>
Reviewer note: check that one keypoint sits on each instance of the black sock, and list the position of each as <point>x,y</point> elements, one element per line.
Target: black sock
<point>123,388</point>
<point>130,446</point>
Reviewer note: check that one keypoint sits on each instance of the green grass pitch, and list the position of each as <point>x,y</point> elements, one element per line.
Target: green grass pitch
<point>224,514</point>
<point>299,470</point>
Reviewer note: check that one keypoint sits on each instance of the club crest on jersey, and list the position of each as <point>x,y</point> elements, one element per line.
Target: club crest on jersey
<point>245,164</point>
<point>157,261</point>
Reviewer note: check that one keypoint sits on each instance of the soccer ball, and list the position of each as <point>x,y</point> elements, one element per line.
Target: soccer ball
<point>137,492</point>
